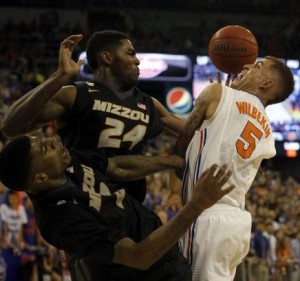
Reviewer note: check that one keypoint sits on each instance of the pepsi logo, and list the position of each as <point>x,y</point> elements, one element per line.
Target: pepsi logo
<point>179,100</point>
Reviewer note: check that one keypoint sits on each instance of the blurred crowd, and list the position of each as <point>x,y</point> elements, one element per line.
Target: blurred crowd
<point>28,54</point>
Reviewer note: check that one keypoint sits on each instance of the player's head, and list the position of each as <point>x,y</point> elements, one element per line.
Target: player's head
<point>284,79</point>
<point>33,164</point>
<point>113,50</point>
<point>107,40</point>
<point>270,79</point>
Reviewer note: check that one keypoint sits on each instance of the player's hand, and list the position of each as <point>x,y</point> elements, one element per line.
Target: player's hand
<point>228,81</point>
<point>67,66</point>
<point>218,76</point>
<point>210,188</point>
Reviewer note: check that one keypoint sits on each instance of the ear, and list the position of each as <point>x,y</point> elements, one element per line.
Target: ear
<point>106,57</point>
<point>40,179</point>
<point>267,84</point>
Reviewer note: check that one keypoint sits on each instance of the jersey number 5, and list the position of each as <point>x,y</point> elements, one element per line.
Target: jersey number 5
<point>114,136</point>
<point>247,142</point>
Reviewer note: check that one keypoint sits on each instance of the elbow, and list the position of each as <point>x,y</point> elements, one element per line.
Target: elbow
<point>112,169</point>
<point>7,129</point>
<point>12,128</point>
<point>132,254</point>
<point>145,266</point>
<point>114,172</point>
<point>141,261</point>
<point>139,258</point>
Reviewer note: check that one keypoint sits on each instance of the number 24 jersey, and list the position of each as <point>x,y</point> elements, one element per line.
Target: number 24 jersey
<point>101,119</point>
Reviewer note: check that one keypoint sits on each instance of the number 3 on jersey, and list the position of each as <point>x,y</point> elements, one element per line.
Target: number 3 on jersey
<point>114,136</point>
<point>247,142</point>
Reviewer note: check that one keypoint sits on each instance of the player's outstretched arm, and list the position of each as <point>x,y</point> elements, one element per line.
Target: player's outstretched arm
<point>133,167</point>
<point>47,101</point>
<point>172,124</point>
<point>208,190</point>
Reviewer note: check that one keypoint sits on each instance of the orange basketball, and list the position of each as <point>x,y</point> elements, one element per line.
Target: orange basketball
<point>231,47</point>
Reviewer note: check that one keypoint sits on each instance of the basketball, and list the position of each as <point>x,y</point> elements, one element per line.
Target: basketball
<point>231,47</point>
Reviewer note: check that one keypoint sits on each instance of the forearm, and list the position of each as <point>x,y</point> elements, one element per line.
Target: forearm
<point>133,167</point>
<point>21,115</point>
<point>193,122</point>
<point>159,242</point>
<point>173,125</point>
<point>175,183</point>
<point>208,190</point>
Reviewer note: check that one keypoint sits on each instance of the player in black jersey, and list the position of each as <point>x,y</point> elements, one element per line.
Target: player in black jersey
<point>109,112</point>
<point>110,234</point>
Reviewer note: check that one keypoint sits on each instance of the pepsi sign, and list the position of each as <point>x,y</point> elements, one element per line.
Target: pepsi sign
<point>179,100</point>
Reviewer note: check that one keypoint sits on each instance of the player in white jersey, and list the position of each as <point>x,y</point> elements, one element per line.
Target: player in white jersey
<point>229,125</point>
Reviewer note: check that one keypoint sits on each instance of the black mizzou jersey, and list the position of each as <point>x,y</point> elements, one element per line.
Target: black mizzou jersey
<point>100,119</point>
<point>87,216</point>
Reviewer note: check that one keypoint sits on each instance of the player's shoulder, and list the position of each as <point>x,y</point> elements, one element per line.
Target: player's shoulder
<point>144,100</point>
<point>214,87</point>
<point>65,96</point>
<point>139,93</point>
<point>88,86</point>
<point>212,92</point>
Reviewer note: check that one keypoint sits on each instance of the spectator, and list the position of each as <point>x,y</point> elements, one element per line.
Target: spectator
<point>14,217</point>
<point>271,254</point>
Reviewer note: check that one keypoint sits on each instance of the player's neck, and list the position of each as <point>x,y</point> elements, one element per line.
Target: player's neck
<point>117,88</point>
<point>51,184</point>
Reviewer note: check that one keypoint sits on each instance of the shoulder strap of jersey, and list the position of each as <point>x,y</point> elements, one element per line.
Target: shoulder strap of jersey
<point>81,86</point>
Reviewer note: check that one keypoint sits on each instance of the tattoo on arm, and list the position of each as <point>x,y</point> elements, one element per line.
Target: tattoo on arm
<point>193,122</point>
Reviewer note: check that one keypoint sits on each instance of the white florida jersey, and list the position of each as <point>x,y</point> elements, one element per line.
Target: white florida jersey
<point>239,135</point>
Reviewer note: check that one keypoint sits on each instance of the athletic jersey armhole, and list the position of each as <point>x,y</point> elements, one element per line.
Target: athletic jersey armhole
<point>219,107</point>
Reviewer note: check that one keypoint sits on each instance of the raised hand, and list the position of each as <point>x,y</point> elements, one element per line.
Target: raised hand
<point>219,79</point>
<point>228,81</point>
<point>67,66</point>
<point>210,188</point>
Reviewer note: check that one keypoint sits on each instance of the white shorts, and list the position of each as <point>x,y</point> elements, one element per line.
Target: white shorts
<point>217,242</point>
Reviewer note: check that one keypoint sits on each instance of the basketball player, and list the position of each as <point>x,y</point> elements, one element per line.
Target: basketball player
<point>112,235</point>
<point>229,125</point>
<point>108,112</point>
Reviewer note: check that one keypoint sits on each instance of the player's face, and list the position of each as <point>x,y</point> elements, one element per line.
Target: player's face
<point>253,76</point>
<point>49,157</point>
<point>125,64</point>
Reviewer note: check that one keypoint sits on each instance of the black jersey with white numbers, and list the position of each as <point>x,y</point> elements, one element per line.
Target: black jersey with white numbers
<point>120,124</point>
<point>102,119</point>
<point>88,215</point>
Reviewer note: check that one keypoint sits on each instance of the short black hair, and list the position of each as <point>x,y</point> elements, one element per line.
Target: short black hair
<point>102,41</point>
<point>15,163</point>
